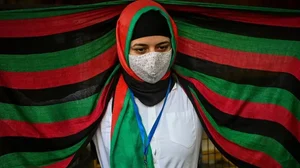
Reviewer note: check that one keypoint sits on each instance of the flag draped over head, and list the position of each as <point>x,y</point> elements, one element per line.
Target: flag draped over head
<point>59,68</point>
<point>126,143</point>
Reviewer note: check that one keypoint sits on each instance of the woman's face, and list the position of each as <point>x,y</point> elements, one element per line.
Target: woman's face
<point>149,44</point>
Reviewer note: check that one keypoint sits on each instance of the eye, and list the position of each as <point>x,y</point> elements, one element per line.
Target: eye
<point>140,50</point>
<point>163,48</point>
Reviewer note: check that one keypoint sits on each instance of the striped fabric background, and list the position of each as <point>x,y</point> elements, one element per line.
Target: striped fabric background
<point>239,65</point>
<point>242,68</point>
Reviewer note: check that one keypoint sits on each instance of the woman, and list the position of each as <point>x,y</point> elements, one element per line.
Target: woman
<point>158,111</point>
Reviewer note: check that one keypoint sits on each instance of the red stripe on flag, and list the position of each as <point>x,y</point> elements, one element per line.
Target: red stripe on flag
<point>240,59</point>
<point>241,16</point>
<point>60,77</point>
<point>60,164</point>
<point>56,24</point>
<point>269,112</point>
<point>119,97</point>
<point>256,158</point>
<point>53,130</point>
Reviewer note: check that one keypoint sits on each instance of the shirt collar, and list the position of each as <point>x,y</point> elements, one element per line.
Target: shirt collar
<point>174,87</point>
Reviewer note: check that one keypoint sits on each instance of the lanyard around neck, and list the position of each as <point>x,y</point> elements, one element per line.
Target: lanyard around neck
<point>140,124</point>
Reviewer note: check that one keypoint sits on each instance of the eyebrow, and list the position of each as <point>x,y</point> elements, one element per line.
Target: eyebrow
<point>144,45</point>
<point>139,44</point>
<point>164,42</point>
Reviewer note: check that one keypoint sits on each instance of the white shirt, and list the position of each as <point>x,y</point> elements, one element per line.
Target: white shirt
<point>177,139</point>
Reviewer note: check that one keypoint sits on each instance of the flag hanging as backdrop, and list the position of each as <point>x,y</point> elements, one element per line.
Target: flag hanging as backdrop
<point>240,67</point>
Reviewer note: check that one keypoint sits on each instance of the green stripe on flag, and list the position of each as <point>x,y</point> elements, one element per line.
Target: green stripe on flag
<point>246,92</point>
<point>120,139</point>
<point>227,6</point>
<point>56,112</point>
<point>239,42</point>
<point>54,11</point>
<point>50,113</point>
<point>70,9</point>
<point>32,159</point>
<point>253,141</point>
<point>59,59</point>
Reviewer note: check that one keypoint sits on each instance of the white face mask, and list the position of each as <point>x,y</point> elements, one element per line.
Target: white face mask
<point>152,66</point>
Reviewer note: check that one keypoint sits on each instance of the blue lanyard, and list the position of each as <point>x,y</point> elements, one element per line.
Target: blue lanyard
<point>140,124</point>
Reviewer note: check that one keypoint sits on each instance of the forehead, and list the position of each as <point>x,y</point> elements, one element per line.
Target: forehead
<point>150,40</point>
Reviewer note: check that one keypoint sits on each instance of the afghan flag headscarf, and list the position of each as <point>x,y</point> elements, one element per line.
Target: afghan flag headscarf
<point>126,143</point>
